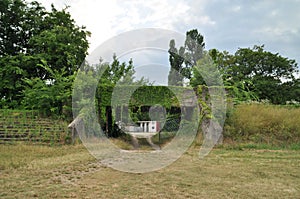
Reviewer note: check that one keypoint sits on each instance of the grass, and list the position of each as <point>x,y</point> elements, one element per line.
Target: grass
<point>243,146</point>
<point>125,141</point>
<point>34,171</point>
<point>261,123</point>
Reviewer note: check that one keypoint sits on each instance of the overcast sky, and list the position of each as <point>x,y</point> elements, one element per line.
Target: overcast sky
<point>225,24</point>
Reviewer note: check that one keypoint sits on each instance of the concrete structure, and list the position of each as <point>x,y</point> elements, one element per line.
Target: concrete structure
<point>149,126</point>
<point>146,129</point>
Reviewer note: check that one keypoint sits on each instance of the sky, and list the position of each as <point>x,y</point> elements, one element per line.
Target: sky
<point>225,24</point>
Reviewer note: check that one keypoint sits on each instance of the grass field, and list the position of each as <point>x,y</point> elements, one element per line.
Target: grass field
<point>34,171</point>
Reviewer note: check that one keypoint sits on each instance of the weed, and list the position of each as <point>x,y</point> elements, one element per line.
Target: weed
<point>260,123</point>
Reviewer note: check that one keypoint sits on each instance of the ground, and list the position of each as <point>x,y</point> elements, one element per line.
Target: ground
<point>28,171</point>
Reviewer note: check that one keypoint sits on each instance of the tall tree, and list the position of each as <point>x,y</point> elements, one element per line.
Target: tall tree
<point>19,21</point>
<point>183,60</point>
<point>31,38</point>
<point>176,59</point>
<point>61,42</point>
<point>194,45</point>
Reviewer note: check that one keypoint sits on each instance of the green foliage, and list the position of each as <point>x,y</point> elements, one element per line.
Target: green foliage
<point>239,89</point>
<point>206,72</point>
<point>258,62</point>
<point>35,42</point>
<point>176,59</point>
<point>266,70</point>
<point>142,95</point>
<point>86,80</point>
<point>116,72</point>
<point>194,45</point>
<point>203,101</point>
<point>95,84</point>
<point>183,60</point>
<point>50,97</point>
<point>19,21</point>
<point>290,92</point>
<point>61,43</point>
<point>10,81</point>
<point>259,73</point>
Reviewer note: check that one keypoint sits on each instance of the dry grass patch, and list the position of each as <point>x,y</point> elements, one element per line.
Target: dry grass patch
<point>260,123</point>
<point>70,172</point>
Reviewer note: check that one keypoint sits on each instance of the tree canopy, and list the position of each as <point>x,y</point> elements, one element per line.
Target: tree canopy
<point>33,42</point>
<point>263,73</point>
<point>183,60</point>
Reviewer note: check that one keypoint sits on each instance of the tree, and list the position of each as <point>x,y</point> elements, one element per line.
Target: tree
<point>11,84</point>
<point>259,71</point>
<point>116,72</point>
<point>206,70</point>
<point>239,89</point>
<point>176,59</point>
<point>290,92</point>
<point>266,70</point>
<point>61,43</point>
<point>194,45</point>
<point>183,60</point>
<point>19,21</point>
<point>32,38</point>
<point>52,98</point>
<point>258,62</point>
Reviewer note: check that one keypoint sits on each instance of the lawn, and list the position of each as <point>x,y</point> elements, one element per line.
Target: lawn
<point>35,171</point>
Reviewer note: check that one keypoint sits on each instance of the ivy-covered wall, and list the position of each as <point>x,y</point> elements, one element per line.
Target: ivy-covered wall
<point>142,95</point>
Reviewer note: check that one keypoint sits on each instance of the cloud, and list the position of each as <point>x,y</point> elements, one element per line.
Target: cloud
<point>97,16</point>
<point>244,24</point>
<point>225,24</point>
